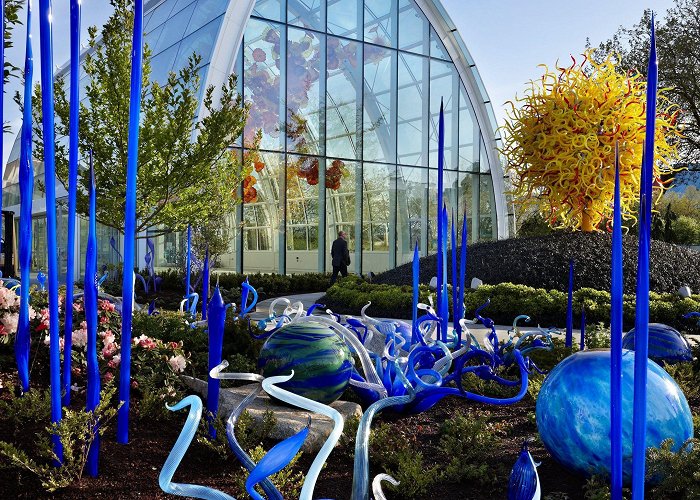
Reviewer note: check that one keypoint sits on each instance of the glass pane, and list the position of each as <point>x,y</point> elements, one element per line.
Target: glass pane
<point>162,64</point>
<point>443,85</point>
<point>380,22</point>
<point>302,213</point>
<point>303,91</point>
<point>468,133</point>
<point>468,201</point>
<point>487,215</point>
<point>412,120</point>
<point>160,14</point>
<point>483,158</point>
<point>376,211</point>
<point>450,194</point>
<point>343,98</point>
<point>150,38</point>
<point>412,209</point>
<point>270,9</point>
<point>344,17</point>
<point>175,28</point>
<point>263,79</point>
<point>263,214</point>
<point>379,141</point>
<point>307,13</point>
<point>413,28</point>
<point>343,207</point>
<point>205,11</point>
<point>437,48</point>
<point>201,42</point>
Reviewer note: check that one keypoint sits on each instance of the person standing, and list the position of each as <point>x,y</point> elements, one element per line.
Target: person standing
<point>340,256</point>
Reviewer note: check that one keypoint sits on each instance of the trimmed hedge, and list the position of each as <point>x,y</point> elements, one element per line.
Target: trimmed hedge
<point>543,262</point>
<point>545,307</point>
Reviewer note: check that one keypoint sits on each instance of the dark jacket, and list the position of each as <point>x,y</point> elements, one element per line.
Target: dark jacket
<point>339,253</point>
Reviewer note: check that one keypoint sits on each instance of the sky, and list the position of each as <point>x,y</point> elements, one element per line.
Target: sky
<point>506,38</point>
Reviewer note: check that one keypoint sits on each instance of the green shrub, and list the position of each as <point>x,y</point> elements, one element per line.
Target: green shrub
<point>597,336</point>
<point>465,441</point>
<point>288,481</point>
<point>678,474</point>
<point>414,477</point>
<point>76,432</point>
<point>250,434</point>
<point>545,307</point>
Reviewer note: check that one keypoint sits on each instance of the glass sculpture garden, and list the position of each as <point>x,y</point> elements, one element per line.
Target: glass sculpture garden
<point>597,411</point>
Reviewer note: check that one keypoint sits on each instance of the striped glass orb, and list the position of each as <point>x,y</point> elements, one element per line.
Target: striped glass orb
<point>666,344</point>
<point>320,359</point>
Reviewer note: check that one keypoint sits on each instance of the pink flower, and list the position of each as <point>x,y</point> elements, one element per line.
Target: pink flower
<point>9,321</point>
<point>134,384</point>
<point>114,362</point>
<point>108,337</point>
<point>145,342</point>
<point>178,363</point>
<point>108,350</point>
<point>103,320</point>
<point>80,337</point>
<point>106,305</point>
<point>109,376</point>
<point>173,345</point>
<point>77,306</point>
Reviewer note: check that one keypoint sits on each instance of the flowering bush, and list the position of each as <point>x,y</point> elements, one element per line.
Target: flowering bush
<point>9,314</point>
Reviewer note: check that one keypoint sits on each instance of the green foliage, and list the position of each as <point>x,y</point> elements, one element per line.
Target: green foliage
<point>249,433</point>
<point>597,488</point>
<point>415,478</point>
<point>288,481</point>
<point>32,407</point>
<point>76,432</point>
<point>597,336</point>
<point>678,474</point>
<point>466,441</point>
<point>186,173</point>
<point>12,10</point>
<point>677,45</point>
<point>686,230</point>
<point>686,377</point>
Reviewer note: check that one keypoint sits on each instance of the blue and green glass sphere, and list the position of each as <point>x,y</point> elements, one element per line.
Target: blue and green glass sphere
<point>666,344</point>
<point>573,411</point>
<point>320,359</point>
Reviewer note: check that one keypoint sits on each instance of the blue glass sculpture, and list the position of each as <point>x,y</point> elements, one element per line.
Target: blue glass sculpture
<point>318,356</point>
<point>666,344</point>
<point>524,483</point>
<point>573,411</point>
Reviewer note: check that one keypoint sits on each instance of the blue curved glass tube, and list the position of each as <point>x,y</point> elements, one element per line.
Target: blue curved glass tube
<point>569,339</point>
<point>72,190</point>
<point>360,477</point>
<point>639,423</point>
<point>130,223</point>
<point>165,478</point>
<point>216,322</point>
<point>90,300</point>
<point>205,284</point>
<point>26,193</point>
<point>275,460</point>
<point>47,110</point>
<point>246,289</point>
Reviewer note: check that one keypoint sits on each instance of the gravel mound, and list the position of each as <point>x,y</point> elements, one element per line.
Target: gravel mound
<point>543,262</point>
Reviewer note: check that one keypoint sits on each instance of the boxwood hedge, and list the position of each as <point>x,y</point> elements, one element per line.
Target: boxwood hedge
<point>545,307</point>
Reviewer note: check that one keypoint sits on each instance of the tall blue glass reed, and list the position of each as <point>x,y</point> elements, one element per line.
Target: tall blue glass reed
<point>616,343</point>
<point>90,300</point>
<point>72,190</point>
<point>569,339</point>
<point>440,242</point>
<point>188,266</point>
<point>205,284</point>
<point>641,338</point>
<point>26,193</point>
<point>462,278</point>
<point>130,223</point>
<point>47,110</point>
<point>215,325</point>
<point>415,268</point>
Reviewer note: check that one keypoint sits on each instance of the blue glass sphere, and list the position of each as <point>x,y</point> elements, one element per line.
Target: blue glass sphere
<point>320,359</point>
<point>666,344</point>
<point>573,411</point>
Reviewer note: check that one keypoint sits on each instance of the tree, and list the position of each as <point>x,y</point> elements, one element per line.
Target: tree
<point>12,9</point>
<point>678,50</point>
<point>187,174</point>
<point>560,142</point>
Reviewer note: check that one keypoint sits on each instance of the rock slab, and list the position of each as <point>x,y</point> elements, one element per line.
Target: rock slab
<point>290,420</point>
